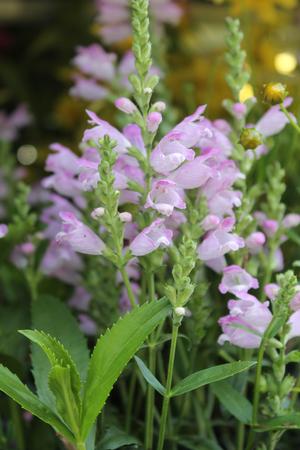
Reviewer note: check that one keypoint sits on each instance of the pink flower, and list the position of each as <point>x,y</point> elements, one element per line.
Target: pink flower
<point>61,262</point>
<point>87,325</point>
<point>80,237</point>
<point>3,230</point>
<point>88,89</point>
<point>95,62</point>
<point>271,290</point>
<point>246,322</point>
<point>192,174</point>
<point>64,159</point>
<point>133,133</point>
<point>164,197</point>
<point>291,220</point>
<point>255,242</point>
<point>239,110</point>
<point>80,299</point>
<point>236,280</point>
<point>273,121</point>
<point>151,238</point>
<point>175,147</point>
<point>220,241</point>
<point>210,222</point>
<point>103,128</point>
<point>65,184</point>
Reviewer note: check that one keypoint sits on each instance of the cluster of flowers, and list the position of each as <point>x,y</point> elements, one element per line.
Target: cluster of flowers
<point>194,155</point>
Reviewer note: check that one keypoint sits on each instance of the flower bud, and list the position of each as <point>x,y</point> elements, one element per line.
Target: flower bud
<point>125,217</point>
<point>97,213</point>
<point>153,121</point>
<point>250,138</point>
<point>180,311</point>
<point>148,90</point>
<point>159,106</point>
<point>3,230</point>
<point>274,93</point>
<point>125,105</point>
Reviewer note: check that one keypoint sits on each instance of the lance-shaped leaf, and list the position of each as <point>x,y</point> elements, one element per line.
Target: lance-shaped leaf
<point>149,377</point>
<point>236,403</point>
<point>211,375</point>
<point>111,354</point>
<point>56,353</point>
<point>12,386</point>
<point>288,421</point>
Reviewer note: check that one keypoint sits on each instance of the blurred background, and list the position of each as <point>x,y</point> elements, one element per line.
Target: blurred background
<point>38,39</point>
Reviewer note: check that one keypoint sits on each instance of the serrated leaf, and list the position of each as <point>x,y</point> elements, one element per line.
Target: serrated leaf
<point>56,353</point>
<point>53,317</point>
<point>67,401</point>
<point>113,351</point>
<point>115,438</point>
<point>149,377</point>
<point>211,375</point>
<point>238,405</point>
<point>12,386</point>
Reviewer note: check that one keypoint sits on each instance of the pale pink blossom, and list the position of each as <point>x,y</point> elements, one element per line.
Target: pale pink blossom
<point>246,322</point>
<point>80,299</point>
<point>79,236</point>
<point>255,242</point>
<point>3,230</point>
<point>153,121</point>
<point>94,61</point>
<point>236,281</point>
<point>151,238</point>
<point>164,197</point>
<point>125,105</point>
<point>64,159</point>
<point>88,89</point>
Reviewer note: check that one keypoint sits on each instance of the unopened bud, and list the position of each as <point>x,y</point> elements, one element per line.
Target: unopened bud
<point>125,105</point>
<point>159,106</point>
<point>98,212</point>
<point>274,93</point>
<point>125,217</point>
<point>180,311</point>
<point>250,138</point>
<point>148,90</point>
<point>153,121</point>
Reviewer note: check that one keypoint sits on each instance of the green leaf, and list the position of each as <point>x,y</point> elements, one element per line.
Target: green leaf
<point>233,401</point>
<point>288,421</point>
<point>115,438</point>
<point>149,377</point>
<point>56,353</point>
<point>12,386</point>
<point>53,317</point>
<point>113,351</point>
<point>67,401</point>
<point>211,375</point>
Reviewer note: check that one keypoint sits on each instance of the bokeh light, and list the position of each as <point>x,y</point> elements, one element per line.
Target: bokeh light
<point>27,155</point>
<point>285,63</point>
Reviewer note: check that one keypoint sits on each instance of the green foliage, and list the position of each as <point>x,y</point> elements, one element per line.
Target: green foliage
<point>208,376</point>
<point>54,318</point>
<point>14,388</point>
<point>232,400</point>
<point>111,354</point>
<point>149,377</point>
<point>115,438</point>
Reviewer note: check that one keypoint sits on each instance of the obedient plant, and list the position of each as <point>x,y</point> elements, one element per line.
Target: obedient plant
<point>166,243</point>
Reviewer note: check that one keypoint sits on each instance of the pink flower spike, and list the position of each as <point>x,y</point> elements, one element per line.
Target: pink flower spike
<point>80,237</point>
<point>153,121</point>
<point>291,220</point>
<point>236,281</point>
<point>219,242</point>
<point>3,230</point>
<point>125,105</point>
<point>63,159</point>
<point>151,238</point>
<point>164,197</point>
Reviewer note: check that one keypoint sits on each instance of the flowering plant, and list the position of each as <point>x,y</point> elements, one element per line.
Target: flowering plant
<point>144,227</point>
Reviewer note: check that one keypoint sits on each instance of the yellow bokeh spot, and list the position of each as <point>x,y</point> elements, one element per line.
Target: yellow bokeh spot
<point>246,92</point>
<point>285,63</point>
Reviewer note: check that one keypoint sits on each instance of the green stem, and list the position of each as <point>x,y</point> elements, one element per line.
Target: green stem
<point>166,402</point>
<point>289,117</point>
<point>256,395</point>
<point>130,400</point>
<point>81,446</point>
<point>128,287</point>
<point>150,402</point>
<point>17,424</point>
